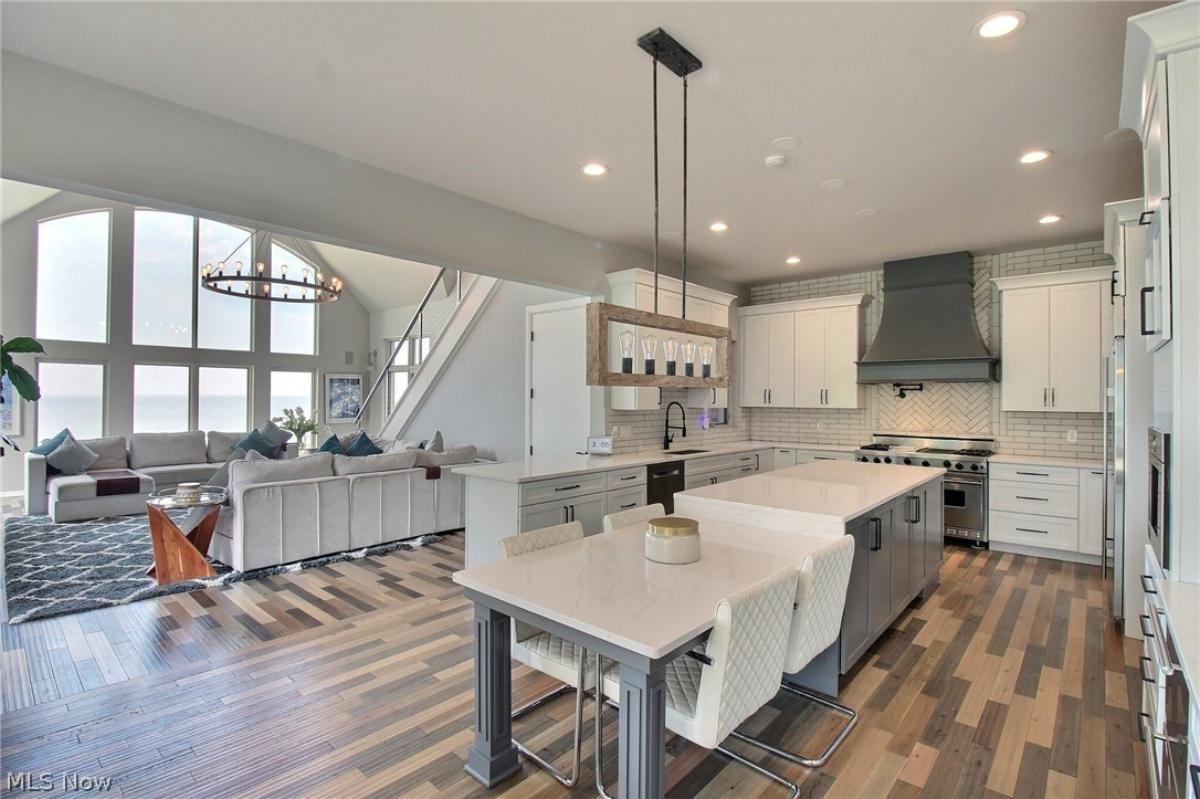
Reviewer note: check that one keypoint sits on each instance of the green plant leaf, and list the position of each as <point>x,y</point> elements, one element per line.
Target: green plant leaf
<point>23,344</point>
<point>24,383</point>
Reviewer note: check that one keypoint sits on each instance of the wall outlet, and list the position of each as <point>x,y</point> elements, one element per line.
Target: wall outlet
<point>1072,435</point>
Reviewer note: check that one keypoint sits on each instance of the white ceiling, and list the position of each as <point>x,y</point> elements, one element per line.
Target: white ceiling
<point>17,197</point>
<point>504,102</point>
<point>378,281</point>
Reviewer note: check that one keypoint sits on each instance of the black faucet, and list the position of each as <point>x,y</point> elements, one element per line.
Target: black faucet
<point>682,428</point>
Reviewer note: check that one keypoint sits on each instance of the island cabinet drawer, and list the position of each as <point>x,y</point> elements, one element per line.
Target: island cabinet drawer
<point>623,478</point>
<point>562,487</point>
<point>1022,473</point>
<point>625,499</point>
<point>706,465</point>
<point>746,460</point>
<point>1036,531</point>
<point>1044,500</point>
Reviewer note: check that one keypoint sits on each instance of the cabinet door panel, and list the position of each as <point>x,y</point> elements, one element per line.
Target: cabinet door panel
<point>781,365</point>
<point>1025,345</point>
<point>1091,512</point>
<point>547,514</point>
<point>754,349</point>
<point>880,594</point>
<point>931,517</point>
<point>841,358</point>
<point>856,629</point>
<point>901,535</point>
<point>1076,358</point>
<point>810,346</point>
<point>589,511</point>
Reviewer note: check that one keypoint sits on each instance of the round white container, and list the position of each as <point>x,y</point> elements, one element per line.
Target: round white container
<point>673,540</point>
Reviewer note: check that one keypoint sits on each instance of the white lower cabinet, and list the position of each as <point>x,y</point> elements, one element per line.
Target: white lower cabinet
<point>1057,511</point>
<point>1091,511</point>
<point>625,499</point>
<point>784,458</point>
<point>588,509</point>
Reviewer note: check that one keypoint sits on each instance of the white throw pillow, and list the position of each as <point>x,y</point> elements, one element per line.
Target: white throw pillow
<point>435,444</point>
<point>452,456</point>
<point>71,457</point>
<point>365,464</point>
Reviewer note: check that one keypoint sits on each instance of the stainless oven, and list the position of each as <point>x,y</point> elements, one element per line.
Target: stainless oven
<point>1159,499</point>
<point>964,506</point>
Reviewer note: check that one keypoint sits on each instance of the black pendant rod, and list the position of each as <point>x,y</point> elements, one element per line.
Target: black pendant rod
<point>654,84</point>
<point>683,306</point>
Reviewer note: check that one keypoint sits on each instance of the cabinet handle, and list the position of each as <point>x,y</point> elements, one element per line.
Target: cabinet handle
<point>629,477</point>
<point>1034,499</point>
<point>1033,474</point>
<point>1145,291</point>
<point>1053,400</point>
<point>1031,530</point>
<point>1145,622</point>
<point>1142,661</point>
<point>764,396</point>
<point>1045,394</point>
<point>568,488</point>
<point>1112,290</point>
<point>770,397</point>
<point>630,505</point>
<point>916,510</point>
<point>566,514</point>
<point>1144,217</point>
<point>875,520</point>
<point>714,399</point>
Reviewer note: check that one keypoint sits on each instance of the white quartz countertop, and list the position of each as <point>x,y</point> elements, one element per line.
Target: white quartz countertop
<point>829,492</point>
<point>1042,460</point>
<point>551,466</point>
<point>603,585</point>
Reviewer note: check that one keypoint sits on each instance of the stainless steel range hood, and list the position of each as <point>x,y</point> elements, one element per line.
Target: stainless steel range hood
<point>928,329</point>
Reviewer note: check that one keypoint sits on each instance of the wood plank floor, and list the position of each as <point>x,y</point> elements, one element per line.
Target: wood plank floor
<point>355,681</point>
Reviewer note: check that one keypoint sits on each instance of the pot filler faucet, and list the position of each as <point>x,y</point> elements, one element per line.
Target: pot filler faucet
<point>668,427</point>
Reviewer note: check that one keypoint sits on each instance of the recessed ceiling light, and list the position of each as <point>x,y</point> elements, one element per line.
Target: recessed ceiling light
<point>793,259</point>
<point>775,160</point>
<point>785,143</point>
<point>595,169</point>
<point>1050,219</point>
<point>719,227</point>
<point>1001,24</point>
<point>829,184</point>
<point>1034,156</point>
<point>867,212</point>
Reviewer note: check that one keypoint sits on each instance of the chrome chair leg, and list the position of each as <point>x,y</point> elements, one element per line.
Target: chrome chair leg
<point>599,747</point>
<point>821,759</point>
<point>560,777</point>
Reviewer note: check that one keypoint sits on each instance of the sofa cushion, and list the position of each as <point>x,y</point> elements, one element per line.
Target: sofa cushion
<point>72,487</point>
<point>175,473</point>
<point>249,472</point>
<point>221,475</point>
<point>276,435</point>
<point>71,457</point>
<point>166,449</point>
<point>447,458</point>
<point>254,441</point>
<point>111,452</point>
<point>404,443</point>
<point>332,445</point>
<point>384,462</point>
<point>221,445</point>
<point>362,445</point>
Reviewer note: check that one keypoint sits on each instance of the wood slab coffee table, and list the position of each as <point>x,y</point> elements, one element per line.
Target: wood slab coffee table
<point>181,551</point>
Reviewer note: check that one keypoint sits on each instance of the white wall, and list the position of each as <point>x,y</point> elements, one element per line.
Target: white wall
<point>480,397</point>
<point>342,330</point>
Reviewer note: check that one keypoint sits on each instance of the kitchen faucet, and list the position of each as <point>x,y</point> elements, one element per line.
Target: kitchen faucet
<point>682,428</point>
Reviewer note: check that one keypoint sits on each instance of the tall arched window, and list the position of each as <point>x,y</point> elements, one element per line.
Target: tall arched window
<point>293,326</point>
<point>72,277</point>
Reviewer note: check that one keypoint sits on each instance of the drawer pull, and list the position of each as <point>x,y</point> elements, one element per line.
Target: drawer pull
<point>630,505</point>
<point>1144,621</point>
<point>629,477</point>
<point>1142,661</point>
<point>568,488</point>
<point>1034,499</point>
<point>1034,474</point>
<point>1148,584</point>
<point>1168,667</point>
<point>1031,530</point>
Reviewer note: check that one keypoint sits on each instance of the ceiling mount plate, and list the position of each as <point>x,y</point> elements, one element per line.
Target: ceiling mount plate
<point>670,53</point>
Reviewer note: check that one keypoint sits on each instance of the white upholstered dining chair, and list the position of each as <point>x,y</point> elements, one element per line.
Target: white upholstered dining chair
<point>550,654</point>
<point>711,692</point>
<point>816,624</point>
<point>625,518</point>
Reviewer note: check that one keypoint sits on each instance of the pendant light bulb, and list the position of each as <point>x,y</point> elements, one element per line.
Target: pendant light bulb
<point>627,339</point>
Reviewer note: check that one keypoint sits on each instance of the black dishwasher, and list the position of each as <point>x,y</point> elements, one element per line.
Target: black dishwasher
<point>662,481</point>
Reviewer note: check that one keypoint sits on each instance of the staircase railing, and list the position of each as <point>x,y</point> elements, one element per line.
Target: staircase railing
<point>412,323</point>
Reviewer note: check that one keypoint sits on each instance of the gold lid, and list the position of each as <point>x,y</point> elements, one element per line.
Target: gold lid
<point>673,526</point>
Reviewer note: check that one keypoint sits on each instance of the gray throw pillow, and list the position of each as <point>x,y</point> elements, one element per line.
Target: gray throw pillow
<point>276,435</point>
<point>221,476</point>
<point>71,457</point>
<point>435,444</point>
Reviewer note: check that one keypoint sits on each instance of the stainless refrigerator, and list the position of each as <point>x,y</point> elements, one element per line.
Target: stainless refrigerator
<point>1113,562</point>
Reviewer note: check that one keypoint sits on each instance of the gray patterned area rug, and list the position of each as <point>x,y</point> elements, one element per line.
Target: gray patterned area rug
<point>51,569</point>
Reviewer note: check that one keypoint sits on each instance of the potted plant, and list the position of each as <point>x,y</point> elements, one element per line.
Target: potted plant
<point>302,426</point>
<point>16,376</point>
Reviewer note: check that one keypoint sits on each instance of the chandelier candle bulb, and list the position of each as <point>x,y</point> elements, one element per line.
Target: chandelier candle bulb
<point>261,267</point>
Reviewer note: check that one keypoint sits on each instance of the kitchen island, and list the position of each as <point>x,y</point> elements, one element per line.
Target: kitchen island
<point>894,514</point>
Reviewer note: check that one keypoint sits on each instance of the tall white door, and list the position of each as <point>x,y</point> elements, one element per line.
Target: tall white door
<point>781,360</point>
<point>754,349</point>
<point>1025,350</point>
<point>841,358</point>
<point>561,403</point>
<point>1076,348</point>
<point>809,332</point>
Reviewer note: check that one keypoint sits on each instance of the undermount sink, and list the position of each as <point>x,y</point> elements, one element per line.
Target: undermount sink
<point>686,451</point>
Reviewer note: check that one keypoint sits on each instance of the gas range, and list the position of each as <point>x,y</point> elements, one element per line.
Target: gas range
<point>964,455</point>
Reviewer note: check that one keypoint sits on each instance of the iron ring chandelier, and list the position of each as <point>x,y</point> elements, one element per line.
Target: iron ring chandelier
<point>312,288</point>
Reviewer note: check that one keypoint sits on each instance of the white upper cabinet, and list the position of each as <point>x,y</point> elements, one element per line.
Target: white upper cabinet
<point>634,288</point>
<point>802,354</point>
<point>1054,333</point>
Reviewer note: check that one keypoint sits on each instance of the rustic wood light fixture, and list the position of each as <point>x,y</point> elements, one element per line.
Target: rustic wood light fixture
<point>712,368</point>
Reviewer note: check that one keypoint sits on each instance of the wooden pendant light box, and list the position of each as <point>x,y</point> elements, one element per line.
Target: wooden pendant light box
<point>601,316</point>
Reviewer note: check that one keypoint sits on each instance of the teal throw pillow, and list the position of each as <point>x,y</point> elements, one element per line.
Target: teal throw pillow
<point>332,444</point>
<point>259,443</point>
<point>362,445</point>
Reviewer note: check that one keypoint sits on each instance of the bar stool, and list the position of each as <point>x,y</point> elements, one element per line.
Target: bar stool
<point>625,518</point>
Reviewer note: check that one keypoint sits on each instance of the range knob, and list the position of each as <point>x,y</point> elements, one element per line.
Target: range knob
<point>924,463</point>
<point>862,458</point>
<point>958,466</point>
<point>877,460</point>
<point>887,460</point>
<point>974,467</point>
<point>945,464</point>
<point>907,461</point>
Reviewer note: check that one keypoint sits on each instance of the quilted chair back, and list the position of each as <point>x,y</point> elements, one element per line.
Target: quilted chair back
<point>531,542</point>
<point>820,599</point>
<point>747,645</point>
<point>625,518</point>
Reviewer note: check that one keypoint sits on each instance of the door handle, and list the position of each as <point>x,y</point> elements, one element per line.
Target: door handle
<point>1112,289</point>
<point>1142,294</point>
